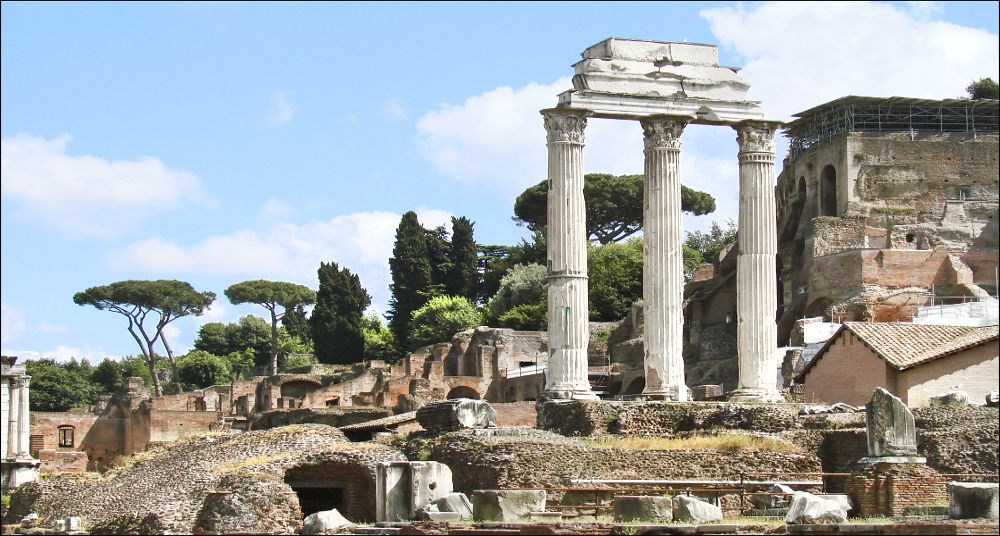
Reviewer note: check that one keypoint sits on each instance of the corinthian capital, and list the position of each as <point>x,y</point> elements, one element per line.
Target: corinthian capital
<point>565,124</point>
<point>662,132</point>
<point>756,136</point>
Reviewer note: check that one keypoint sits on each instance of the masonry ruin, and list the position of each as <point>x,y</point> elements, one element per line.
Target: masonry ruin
<point>500,426</point>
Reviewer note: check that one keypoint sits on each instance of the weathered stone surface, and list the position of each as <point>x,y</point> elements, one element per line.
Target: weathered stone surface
<point>993,399</point>
<point>249,502</point>
<point>29,521</point>
<point>456,414</point>
<point>455,503</point>
<point>642,508</point>
<point>693,510</point>
<point>506,505</point>
<point>951,398</point>
<point>809,509</point>
<point>821,409</point>
<point>773,501</point>
<point>164,489</point>
<point>706,392</point>
<point>321,522</point>
<point>967,500</point>
<point>891,431</point>
<point>403,488</point>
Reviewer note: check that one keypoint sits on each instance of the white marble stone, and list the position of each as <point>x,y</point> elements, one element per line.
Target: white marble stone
<point>569,330</point>
<point>756,274</point>
<point>663,261</point>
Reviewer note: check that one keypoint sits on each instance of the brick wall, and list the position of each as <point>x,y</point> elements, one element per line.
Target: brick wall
<point>889,489</point>
<point>847,372</point>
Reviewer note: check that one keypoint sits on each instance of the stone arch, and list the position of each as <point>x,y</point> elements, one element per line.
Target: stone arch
<point>818,307</point>
<point>463,391</point>
<point>636,386</point>
<point>348,487</point>
<point>298,388</point>
<point>828,191</point>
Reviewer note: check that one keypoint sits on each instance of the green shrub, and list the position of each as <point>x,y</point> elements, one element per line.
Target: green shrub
<point>441,318</point>
<point>199,369</point>
<point>523,284</point>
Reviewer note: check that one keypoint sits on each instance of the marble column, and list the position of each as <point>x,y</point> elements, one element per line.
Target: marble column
<point>569,331</point>
<point>4,416</point>
<point>663,261</point>
<point>11,427</point>
<point>756,276</point>
<point>24,421</point>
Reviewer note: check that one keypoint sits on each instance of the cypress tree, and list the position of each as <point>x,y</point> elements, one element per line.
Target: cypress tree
<point>335,323</point>
<point>438,256</point>
<point>296,323</point>
<point>463,276</point>
<point>411,276</point>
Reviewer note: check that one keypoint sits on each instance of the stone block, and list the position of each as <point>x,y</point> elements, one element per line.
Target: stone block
<point>808,509</point>
<point>506,505</point>
<point>967,500</point>
<point>689,509</point>
<point>993,399</point>
<point>891,430</point>
<point>642,508</point>
<point>545,517</point>
<point>73,523</point>
<point>706,392</point>
<point>402,488</point>
<point>762,502</point>
<point>59,525</point>
<point>456,503</point>
<point>456,414</point>
<point>321,522</point>
<point>950,399</point>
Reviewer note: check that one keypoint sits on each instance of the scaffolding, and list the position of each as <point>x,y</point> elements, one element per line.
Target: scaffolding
<point>890,114</point>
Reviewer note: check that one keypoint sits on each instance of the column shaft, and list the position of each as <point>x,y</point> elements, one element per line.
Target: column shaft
<point>4,415</point>
<point>663,261</point>
<point>756,275</point>
<point>11,427</point>
<point>569,330</point>
<point>24,437</point>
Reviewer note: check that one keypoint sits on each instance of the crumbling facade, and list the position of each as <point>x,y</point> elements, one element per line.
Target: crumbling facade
<point>884,205</point>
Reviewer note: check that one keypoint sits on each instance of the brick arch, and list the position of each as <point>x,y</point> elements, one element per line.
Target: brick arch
<point>463,391</point>
<point>354,484</point>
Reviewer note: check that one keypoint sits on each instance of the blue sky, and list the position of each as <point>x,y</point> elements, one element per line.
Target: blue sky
<point>220,142</point>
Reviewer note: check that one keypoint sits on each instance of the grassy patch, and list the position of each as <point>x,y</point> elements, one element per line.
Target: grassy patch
<point>726,442</point>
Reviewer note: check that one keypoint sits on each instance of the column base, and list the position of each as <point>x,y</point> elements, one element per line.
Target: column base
<point>673,393</point>
<point>755,396</point>
<point>568,394</point>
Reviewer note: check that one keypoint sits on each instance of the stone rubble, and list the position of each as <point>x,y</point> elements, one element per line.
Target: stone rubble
<point>321,522</point>
<point>808,509</point>
<point>688,509</point>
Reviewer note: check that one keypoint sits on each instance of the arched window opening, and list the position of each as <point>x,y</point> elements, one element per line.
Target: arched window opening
<point>66,437</point>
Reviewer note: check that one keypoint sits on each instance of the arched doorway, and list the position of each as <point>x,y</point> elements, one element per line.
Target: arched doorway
<point>463,392</point>
<point>635,387</point>
<point>828,191</point>
<point>818,307</point>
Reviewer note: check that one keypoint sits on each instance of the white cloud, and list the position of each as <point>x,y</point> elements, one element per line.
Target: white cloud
<point>62,353</point>
<point>52,329</point>
<point>275,209</point>
<point>361,242</point>
<point>798,55</point>
<point>281,110</point>
<point>394,108</point>
<point>12,323</point>
<point>89,195</point>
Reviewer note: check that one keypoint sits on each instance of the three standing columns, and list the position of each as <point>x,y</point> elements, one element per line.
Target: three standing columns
<point>663,261</point>
<point>663,280</point>
<point>569,330</point>
<point>756,272</point>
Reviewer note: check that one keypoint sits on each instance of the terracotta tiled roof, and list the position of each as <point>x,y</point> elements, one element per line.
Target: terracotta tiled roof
<point>905,345</point>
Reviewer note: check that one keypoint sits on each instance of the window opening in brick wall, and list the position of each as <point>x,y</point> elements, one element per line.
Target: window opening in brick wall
<point>66,439</point>
<point>318,497</point>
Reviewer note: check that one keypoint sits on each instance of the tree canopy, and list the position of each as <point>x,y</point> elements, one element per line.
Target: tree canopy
<point>614,205</point>
<point>272,295</point>
<point>336,320</point>
<point>984,88</point>
<point>463,276</point>
<point>60,386</point>
<point>441,318</point>
<point>165,300</point>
